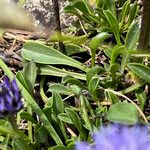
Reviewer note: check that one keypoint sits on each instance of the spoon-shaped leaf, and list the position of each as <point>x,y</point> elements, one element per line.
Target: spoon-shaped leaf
<point>42,54</point>
<point>123,112</point>
<point>140,70</point>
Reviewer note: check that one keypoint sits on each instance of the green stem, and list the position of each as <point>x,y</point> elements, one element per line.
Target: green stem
<point>85,113</point>
<point>93,59</point>
<point>30,125</point>
<point>15,128</point>
<point>63,130</point>
<point>13,123</point>
<point>44,97</point>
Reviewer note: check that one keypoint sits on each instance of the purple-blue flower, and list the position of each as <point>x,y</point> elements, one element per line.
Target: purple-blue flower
<point>118,137</point>
<point>10,98</point>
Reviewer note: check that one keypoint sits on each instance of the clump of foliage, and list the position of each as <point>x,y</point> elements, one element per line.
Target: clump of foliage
<point>65,99</point>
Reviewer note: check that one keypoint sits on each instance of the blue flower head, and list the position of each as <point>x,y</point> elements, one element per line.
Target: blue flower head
<point>10,98</point>
<point>116,137</point>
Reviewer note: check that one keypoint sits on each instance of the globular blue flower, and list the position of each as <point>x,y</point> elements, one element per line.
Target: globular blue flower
<point>118,137</point>
<point>10,98</point>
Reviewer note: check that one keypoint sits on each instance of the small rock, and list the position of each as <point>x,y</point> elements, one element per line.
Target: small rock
<point>42,12</point>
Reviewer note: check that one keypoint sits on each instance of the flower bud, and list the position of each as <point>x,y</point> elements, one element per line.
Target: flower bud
<point>10,97</point>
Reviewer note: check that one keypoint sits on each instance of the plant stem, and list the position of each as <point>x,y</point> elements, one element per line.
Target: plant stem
<point>30,125</point>
<point>58,26</point>
<point>15,128</point>
<point>12,121</point>
<point>145,27</point>
<point>44,97</point>
<point>93,59</point>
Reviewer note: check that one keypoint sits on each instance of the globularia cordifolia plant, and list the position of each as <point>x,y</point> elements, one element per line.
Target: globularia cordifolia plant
<point>118,137</point>
<point>10,98</point>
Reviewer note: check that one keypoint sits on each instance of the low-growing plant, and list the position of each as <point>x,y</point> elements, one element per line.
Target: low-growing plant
<point>65,100</point>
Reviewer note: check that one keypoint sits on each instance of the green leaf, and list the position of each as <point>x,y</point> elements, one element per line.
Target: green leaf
<point>110,5</point>
<point>93,71</point>
<point>42,91</point>
<point>141,96</point>
<point>113,69</point>
<point>18,136</point>
<point>74,118</point>
<point>99,3</point>
<point>130,43</point>
<point>80,5</point>
<point>116,51</point>
<point>100,12</point>
<point>61,89</point>
<point>132,36</point>
<point>7,130</point>
<point>47,55</point>
<point>72,10</point>
<point>73,49</point>
<point>132,14</point>
<point>113,24</point>
<point>123,112</point>
<point>120,2</point>
<point>53,71</point>
<point>99,38</point>
<point>125,59</point>
<point>95,43</point>
<point>125,11</point>
<point>41,115</point>
<point>27,116</point>
<point>140,53</point>
<point>76,121</point>
<point>80,9</point>
<point>113,98</point>
<point>21,78</point>
<point>84,113</point>
<point>69,39</point>
<point>58,105</point>
<point>32,102</point>
<point>74,81</point>
<point>4,141</point>
<point>65,118</point>
<point>19,144</point>
<point>30,73</point>
<point>93,87</point>
<point>76,89</point>
<point>140,70</point>
<point>41,134</point>
<point>108,51</point>
<point>94,18</point>
<point>60,148</point>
